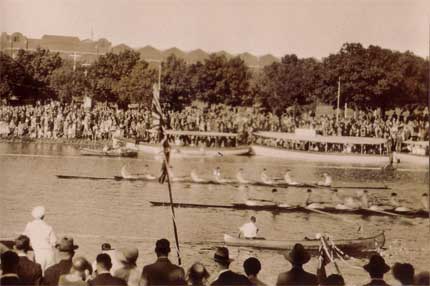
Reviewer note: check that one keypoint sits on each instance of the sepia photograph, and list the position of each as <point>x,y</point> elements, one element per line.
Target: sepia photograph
<point>214,143</point>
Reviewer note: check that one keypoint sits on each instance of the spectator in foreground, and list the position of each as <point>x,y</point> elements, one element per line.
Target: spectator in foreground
<point>104,264</point>
<point>65,251</point>
<point>107,248</point>
<point>42,238</point>
<point>333,280</point>
<point>404,273</point>
<point>297,276</point>
<point>79,273</point>
<point>197,275</point>
<point>225,275</point>
<point>422,278</point>
<point>128,270</point>
<point>29,272</point>
<point>163,272</point>
<point>376,269</point>
<point>252,267</point>
<point>9,266</point>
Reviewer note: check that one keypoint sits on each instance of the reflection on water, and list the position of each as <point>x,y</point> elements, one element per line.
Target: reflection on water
<point>118,211</point>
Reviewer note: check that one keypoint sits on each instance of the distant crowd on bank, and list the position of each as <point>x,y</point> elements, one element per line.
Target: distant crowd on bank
<point>58,120</point>
<point>31,261</point>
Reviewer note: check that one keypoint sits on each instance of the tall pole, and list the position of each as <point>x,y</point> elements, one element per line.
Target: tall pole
<point>159,77</point>
<point>338,99</point>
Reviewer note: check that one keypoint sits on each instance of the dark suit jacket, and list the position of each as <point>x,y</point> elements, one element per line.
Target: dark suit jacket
<point>163,272</point>
<point>297,276</point>
<point>29,272</point>
<point>53,273</point>
<point>231,278</point>
<point>13,281</point>
<point>107,279</point>
<point>377,283</point>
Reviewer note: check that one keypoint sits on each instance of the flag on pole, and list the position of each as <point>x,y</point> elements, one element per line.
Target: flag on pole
<point>157,113</point>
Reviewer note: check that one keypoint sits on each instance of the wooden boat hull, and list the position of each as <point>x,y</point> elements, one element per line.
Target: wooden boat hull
<point>293,209</point>
<point>194,151</point>
<point>361,159</point>
<point>348,246</point>
<point>419,160</point>
<point>129,153</point>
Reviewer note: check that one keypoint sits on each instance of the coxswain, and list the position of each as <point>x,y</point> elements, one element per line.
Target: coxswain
<point>265,179</point>
<point>311,204</point>
<point>395,204</point>
<point>195,178</point>
<point>326,182</point>
<point>249,230</point>
<point>288,180</point>
<point>425,201</point>
<point>240,178</point>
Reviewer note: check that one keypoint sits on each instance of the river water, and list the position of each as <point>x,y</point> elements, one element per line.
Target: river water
<point>118,212</point>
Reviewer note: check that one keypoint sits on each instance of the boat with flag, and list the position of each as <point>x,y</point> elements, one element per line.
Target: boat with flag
<point>179,149</point>
<point>348,246</point>
<point>329,149</point>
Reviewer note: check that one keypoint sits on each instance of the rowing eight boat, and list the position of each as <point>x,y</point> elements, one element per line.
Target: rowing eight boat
<point>348,246</point>
<point>279,209</point>
<point>211,182</point>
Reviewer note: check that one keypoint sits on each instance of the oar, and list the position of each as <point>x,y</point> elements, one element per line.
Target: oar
<point>404,219</point>
<point>333,216</point>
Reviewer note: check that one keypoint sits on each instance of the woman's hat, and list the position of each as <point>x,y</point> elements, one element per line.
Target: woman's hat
<point>376,265</point>
<point>298,255</point>
<point>129,255</point>
<point>38,212</point>
<point>222,255</point>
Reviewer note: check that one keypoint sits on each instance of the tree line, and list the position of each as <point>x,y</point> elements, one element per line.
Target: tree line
<point>370,77</point>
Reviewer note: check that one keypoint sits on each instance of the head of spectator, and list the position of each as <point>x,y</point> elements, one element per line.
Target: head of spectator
<point>252,267</point>
<point>9,262</point>
<point>162,247</point>
<point>376,267</point>
<point>197,274</point>
<point>104,263</point>
<point>128,256</point>
<point>333,280</point>
<point>81,267</point>
<point>38,212</point>
<point>422,278</point>
<point>22,244</point>
<point>298,255</point>
<point>404,273</point>
<point>66,248</point>
<point>222,257</point>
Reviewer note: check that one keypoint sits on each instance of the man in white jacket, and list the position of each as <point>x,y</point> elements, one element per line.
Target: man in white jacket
<point>42,238</point>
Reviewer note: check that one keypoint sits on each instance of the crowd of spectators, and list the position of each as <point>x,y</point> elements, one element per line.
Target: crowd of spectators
<point>29,263</point>
<point>57,120</point>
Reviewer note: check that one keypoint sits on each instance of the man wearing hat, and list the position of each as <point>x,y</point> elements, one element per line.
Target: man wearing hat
<point>65,252</point>
<point>225,275</point>
<point>376,269</point>
<point>163,272</point>
<point>42,238</point>
<point>29,271</point>
<point>128,270</point>
<point>297,275</point>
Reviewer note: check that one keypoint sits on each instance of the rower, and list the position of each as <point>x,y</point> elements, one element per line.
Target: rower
<point>125,174</point>
<point>146,173</point>
<point>240,178</point>
<point>310,204</point>
<point>337,201</point>
<point>326,181</point>
<point>288,180</point>
<point>249,230</point>
<point>394,204</point>
<point>364,199</point>
<point>265,179</point>
<point>195,178</point>
<point>425,201</point>
<point>217,176</point>
<point>352,203</point>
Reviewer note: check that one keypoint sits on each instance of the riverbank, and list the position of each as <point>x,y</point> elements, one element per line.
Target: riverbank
<point>63,141</point>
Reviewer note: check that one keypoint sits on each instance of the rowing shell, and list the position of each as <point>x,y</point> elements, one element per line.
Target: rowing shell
<point>210,182</point>
<point>279,209</point>
<point>348,246</point>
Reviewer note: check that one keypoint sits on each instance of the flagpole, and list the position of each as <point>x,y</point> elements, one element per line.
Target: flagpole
<point>338,99</point>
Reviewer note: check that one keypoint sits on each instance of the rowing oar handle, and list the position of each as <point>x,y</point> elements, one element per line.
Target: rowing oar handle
<point>324,244</point>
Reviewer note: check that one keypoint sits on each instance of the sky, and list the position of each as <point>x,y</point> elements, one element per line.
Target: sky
<point>303,27</point>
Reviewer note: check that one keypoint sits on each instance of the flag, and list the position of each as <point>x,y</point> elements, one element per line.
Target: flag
<point>158,123</point>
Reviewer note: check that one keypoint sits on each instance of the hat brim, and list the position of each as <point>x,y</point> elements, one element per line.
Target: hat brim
<point>74,247</point>
<point>374,268</point>
<point>305,259</point>
<point>223,260</point>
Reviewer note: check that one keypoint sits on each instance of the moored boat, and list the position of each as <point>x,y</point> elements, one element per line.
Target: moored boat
<point>348,246</point>
<point>119,152</point>
<point>317,148</point>
<point>292,209</point>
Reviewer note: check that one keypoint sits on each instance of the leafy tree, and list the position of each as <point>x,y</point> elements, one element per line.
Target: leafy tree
<point>137,86</point>
<point>67,83</point>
